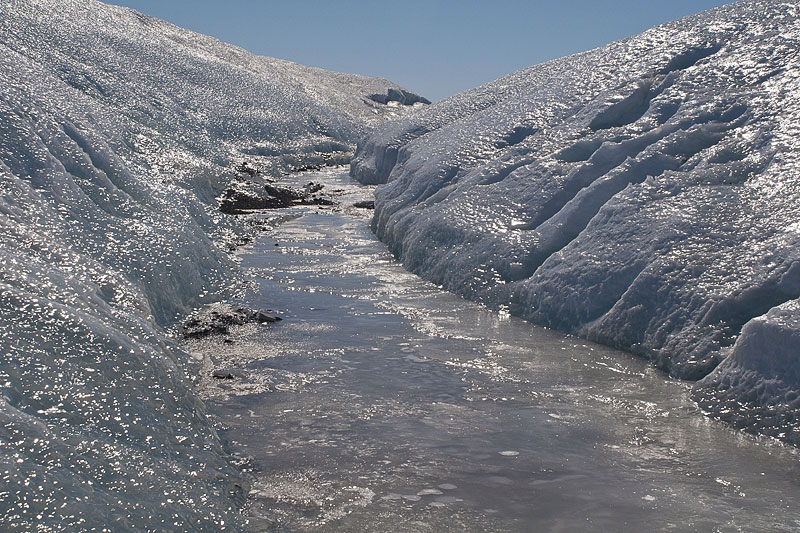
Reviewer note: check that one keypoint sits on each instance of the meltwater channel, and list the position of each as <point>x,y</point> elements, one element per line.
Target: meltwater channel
<point>382,403</point>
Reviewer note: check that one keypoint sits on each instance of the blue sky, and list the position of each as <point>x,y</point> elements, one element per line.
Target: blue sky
<point>435,48</point>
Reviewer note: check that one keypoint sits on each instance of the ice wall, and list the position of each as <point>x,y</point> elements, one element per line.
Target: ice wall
<point>644,195</point>
<point>117,132</point>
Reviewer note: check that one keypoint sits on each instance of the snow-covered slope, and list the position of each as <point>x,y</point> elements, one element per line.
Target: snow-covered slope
<point>645,195</point>
<point>117,132</point>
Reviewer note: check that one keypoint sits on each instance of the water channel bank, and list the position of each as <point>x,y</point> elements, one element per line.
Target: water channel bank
<point>382,403</point>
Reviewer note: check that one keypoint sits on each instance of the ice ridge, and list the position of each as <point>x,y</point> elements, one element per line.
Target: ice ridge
<point>644,195</point>
<point>117,134</point>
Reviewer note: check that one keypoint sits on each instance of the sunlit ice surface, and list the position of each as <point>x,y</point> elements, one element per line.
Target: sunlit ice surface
<point>643,195</point>
<point>383,403</point>
<point>117,133</point>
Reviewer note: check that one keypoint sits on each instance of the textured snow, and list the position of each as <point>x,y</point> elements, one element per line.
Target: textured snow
<point>644,195</point>
<point>117,133</point>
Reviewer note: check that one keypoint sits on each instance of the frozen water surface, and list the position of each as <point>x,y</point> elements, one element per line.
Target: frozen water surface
<point>383,403</point>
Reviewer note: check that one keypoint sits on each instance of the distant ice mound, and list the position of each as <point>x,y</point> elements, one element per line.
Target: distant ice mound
<point>645,195</point>
<point>117,133</point>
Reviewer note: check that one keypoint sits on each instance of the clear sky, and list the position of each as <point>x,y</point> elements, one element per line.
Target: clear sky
<point>435,48</point>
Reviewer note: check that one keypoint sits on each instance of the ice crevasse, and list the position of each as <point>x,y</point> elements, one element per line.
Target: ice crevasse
<point>117,133</point>
<point>644,195</point>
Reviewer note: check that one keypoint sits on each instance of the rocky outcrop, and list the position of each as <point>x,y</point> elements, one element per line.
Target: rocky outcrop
<point>215,319</point>
<point>244,196</point>
<point>401,96</point>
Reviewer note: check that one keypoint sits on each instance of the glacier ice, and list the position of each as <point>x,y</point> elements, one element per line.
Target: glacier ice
<point>644,194</point>
<point>117,134</point>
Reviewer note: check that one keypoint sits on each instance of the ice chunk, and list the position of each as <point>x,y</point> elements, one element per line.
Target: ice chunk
<point>756,387</point>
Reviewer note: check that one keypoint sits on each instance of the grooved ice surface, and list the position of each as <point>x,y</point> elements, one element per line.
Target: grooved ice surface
<point>116,133</point>
<point>645,194</point>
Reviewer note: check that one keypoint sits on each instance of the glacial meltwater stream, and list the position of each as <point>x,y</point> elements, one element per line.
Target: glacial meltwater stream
<point>382,403</point>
